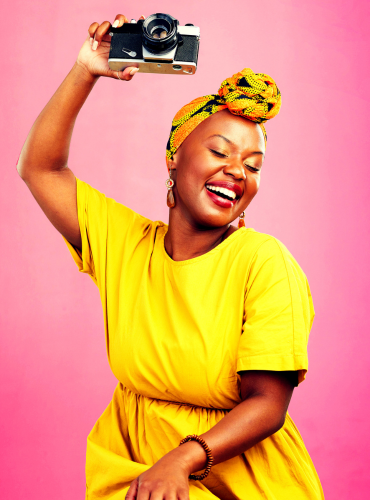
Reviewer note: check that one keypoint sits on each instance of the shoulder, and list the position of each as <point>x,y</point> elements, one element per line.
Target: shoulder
<point>272,266</point>
<point>255,244</point>
<point>115,213</point>
<point>265,250</point>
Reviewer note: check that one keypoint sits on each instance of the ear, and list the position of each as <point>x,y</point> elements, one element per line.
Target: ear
<point>173,163</point>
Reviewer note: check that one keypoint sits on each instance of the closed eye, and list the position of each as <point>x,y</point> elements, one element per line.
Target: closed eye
<point>253,168</point>
<point>217,153</point>
<point>222,155</point>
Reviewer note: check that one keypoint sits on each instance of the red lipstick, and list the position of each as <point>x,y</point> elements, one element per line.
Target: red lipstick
<point>227,185</point>
<point>224,199</point>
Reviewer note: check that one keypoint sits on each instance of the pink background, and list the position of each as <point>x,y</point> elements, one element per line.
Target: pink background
<point>55,379</point>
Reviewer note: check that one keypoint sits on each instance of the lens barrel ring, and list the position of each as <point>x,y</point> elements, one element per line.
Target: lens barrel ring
<point>156,24</point>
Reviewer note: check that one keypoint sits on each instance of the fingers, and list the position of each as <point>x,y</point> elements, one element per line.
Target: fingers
<point>132,491</point>
<point>127,74</point>
<point>93,27</point>
<point>119,21</point>
<point>101,31</point>
<point>183,494</point>
<point>144,492</point>
<point>97,32</point>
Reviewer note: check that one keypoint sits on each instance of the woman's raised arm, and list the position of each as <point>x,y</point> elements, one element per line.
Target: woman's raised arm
<point>43,163</point>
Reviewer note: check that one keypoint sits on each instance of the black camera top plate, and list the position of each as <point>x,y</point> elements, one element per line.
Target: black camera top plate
<point>130,28</point>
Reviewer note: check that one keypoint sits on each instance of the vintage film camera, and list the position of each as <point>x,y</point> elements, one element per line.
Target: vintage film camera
<point>155,45</point>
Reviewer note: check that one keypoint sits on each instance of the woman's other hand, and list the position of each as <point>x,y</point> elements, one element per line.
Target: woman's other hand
<point>94,53</point>
<point>166,479</point>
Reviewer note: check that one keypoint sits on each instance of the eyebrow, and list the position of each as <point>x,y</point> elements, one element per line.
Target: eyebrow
<point>222,137</point>
<point>231,142</point>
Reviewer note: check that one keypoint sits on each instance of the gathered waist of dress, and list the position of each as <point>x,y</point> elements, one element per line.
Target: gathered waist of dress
<point>172,402</point>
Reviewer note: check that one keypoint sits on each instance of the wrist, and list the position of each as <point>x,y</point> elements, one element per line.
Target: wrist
<point>82,71</point>
<point>192,455</point>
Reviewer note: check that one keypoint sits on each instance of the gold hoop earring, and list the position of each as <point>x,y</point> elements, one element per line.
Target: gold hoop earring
<point>241,220</point>
<point>170,197</point>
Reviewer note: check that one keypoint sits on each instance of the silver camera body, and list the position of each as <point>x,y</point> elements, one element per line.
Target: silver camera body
<point>155,45</point>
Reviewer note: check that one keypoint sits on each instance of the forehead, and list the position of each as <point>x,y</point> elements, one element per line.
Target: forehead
<point>242,132</point>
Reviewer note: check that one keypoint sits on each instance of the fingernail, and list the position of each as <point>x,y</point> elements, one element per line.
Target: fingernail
<point>91,40</point>
<point>95,45</point>
<point>115,24</point>
<point>133,71</point>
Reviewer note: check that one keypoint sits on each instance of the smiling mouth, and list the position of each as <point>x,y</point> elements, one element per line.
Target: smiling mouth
<point>222,192</point>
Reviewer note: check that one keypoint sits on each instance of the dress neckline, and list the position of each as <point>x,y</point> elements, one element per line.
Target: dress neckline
<point>206,255</point>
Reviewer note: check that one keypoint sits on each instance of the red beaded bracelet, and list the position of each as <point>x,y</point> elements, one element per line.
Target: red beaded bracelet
<point>207,449</point>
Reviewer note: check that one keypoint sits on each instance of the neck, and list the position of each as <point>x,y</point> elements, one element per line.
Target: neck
<point>184,241</point>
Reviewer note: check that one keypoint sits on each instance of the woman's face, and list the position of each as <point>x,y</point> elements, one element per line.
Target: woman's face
<point>217,169</point>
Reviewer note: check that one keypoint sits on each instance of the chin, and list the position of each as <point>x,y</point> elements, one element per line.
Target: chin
<point>214,220</point>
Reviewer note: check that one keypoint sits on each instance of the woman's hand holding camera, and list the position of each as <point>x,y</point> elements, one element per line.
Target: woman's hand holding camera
<point>94,53</point>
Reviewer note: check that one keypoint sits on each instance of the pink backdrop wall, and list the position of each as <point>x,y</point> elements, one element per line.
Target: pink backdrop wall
<point>55,379</point>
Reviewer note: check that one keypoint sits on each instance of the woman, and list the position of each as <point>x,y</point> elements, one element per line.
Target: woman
<point>206,324</point>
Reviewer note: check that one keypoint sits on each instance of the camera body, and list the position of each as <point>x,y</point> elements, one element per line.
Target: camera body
<point>155,45</point>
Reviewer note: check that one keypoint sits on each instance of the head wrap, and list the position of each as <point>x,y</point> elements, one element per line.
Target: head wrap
<point>254,96</point>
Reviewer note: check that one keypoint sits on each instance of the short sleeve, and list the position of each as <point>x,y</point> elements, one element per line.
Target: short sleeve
<point>102,221</point>
<point>278,313</point>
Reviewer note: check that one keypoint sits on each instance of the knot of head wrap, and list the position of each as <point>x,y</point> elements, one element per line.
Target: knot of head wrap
<point>254,96</point>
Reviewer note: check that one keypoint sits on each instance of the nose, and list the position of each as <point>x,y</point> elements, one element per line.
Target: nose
<point>235,168</point>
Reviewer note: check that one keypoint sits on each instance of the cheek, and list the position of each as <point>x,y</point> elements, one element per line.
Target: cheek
<point>191,175</point>
<point>187,183</point>
<point>251,190</point>
<point>253,185</point>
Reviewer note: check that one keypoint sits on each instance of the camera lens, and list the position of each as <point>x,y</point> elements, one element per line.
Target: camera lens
<point>160,33</point>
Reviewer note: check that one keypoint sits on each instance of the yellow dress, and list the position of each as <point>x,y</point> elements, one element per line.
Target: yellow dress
<point>177,334</point>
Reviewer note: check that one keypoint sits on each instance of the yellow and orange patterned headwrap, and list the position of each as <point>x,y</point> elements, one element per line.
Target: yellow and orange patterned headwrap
<point>254,96</point>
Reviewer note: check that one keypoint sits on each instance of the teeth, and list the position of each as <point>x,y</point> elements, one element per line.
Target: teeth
<point>224,191</point>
